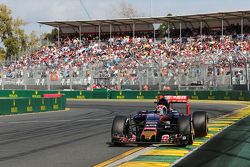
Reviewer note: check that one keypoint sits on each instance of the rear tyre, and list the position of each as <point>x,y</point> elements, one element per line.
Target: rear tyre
<point>119,128</point>
<point>185,129</point>
<point>200,123</point>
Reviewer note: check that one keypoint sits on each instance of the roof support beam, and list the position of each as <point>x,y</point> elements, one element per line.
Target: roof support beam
<point>133,30</point>
<point>80,34</point>
<point>173,25</point>
<point>58,36</point>
<point>180,34</point>
<point>206,24</point>
<point>120,30</point>
<point>222,29</point>
<point>110,30</point>
<point>99,31</point>
<point>154,33</point>
<point>131,27</point>
<point>201,32</point>
<point>191,24</point>
<point>242,28</point>
<point>169,31</point>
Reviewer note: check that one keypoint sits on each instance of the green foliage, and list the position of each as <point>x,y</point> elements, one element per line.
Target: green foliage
<point>5,21</point>
<point>51,36</point>
<point>33,40</point>
<point>13,37</point>
<point>19,33</point>
<point>165,28</point>
<point>2,54</point>
<point>12,46</point>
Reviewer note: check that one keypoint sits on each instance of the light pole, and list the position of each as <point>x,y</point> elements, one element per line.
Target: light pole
<point>139,72</point>
<point>40,34</point>
<point>159,66</point>
<point>168,31</point>
<point>178,61</point>
<point>58,36</point>
<point>230,59</point>
<point>214,79</point>
<point>246,68</point>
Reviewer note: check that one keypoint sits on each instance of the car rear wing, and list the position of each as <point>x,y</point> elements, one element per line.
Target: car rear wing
<point>176,99</point>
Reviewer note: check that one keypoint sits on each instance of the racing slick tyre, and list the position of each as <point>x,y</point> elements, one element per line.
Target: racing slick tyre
<point>119,128</point>
<point>200,123</point>
<point>185,129</point>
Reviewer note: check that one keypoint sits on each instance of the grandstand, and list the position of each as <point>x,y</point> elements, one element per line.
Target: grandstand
<point>212,21</point>
<point>200,52</point>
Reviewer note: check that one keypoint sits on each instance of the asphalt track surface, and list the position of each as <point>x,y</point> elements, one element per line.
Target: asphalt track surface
<point>76,138</point>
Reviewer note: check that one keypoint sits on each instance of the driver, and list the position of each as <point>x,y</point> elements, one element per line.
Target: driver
<point>164,102</point>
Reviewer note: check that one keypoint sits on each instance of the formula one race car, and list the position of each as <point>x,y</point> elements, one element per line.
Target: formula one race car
<point>162,125</point>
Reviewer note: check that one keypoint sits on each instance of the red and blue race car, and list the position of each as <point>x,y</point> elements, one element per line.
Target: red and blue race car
<point>162,125</point>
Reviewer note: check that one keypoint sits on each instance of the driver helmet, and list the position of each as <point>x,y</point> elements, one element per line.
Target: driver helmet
<point>163,101</point>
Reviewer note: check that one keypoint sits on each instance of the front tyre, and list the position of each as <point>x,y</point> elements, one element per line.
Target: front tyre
<point>119,128</point>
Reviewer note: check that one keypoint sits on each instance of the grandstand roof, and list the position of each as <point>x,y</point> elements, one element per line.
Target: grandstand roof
<point>211,20</point>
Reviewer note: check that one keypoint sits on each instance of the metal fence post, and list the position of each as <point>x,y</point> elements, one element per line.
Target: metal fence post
<point>159,78</point>
<point>48,80</point>
<point>71,79</point>
<point>119,80</point>
<point>247,76</point>
<point>231,72</point>
<point>214,73</point>
<point>147,79</point>
<point>25,79</point>
<point>213,63</point>
<point>2,85</point>
<point>139,77</point>
<point>246,69</point>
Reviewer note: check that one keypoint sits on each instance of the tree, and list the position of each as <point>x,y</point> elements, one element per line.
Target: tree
<point>20,33</point>
<point>33,40</point>
<point>12,47</point>
<point>126,10</point>
<point>2,54</point>
<point>165,28</point>
<point>11,34</point>
<point>5,21</point>
<point>51,36</point>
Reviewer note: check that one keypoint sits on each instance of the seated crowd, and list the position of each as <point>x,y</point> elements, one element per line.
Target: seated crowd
<point>123,55</point>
